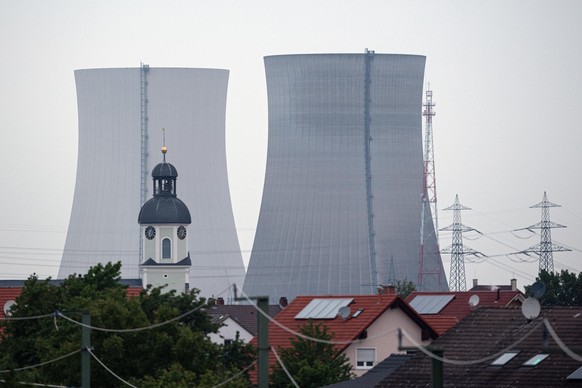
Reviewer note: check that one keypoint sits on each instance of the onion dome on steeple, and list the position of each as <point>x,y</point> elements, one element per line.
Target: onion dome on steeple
<point>165,207</point>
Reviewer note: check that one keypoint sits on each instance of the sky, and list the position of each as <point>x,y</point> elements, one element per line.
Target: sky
<point>505,78</point>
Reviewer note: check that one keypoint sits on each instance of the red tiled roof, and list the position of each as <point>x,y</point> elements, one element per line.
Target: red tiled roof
<point>6,294</point>
<point>459,307</point>
<point>440,324</point>
<point>133,291</point>
<point>373,306</point>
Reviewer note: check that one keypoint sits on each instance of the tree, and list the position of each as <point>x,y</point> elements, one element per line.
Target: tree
<point>171,354</point>
<point>562,289</point>
<point>312,364</point>
<point>404,288</point>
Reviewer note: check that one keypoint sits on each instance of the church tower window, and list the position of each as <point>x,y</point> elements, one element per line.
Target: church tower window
<point>166,248</point>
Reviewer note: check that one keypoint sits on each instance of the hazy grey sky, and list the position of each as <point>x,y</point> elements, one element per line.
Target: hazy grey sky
<point>505,77</point>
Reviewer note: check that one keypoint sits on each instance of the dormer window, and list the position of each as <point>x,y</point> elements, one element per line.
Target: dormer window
<point>166,248</point>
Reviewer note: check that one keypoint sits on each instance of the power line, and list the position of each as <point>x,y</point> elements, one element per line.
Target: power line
<point>41,364</point>
<point>236,375</point>
<point>108,369</point>
<point>28,318</point>
<point>561,343</point>
<point>301,335</point>
<point>139,328</point>
<point>469,362</point>
<point>38,384</point>
<point>284,367</point>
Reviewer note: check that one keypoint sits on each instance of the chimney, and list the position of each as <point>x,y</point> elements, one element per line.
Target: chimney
<point>283,302</point>
<point>220,301</point>
<point>387,289</point>
<point>513,284</point>
<point>475,282</point>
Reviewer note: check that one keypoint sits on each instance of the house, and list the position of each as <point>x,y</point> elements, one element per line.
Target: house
<point>365,326</point>
<point>499,347</point>
<point>443,310</point>
<point>236,318</point>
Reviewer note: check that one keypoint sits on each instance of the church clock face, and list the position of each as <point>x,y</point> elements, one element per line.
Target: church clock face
<point>150,232</point>
<point>181,233</point>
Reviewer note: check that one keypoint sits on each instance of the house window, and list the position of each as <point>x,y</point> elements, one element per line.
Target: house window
<point>227,342</point>
<point>365,358</point>
<point>166,248</point>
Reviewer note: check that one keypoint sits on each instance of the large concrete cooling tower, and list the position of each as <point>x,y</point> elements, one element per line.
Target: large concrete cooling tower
<point>121,116</point>
<point>344,177</point>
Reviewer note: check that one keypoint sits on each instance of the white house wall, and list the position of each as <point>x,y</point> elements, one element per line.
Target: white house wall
<point>383,336</point>
<point>228,331</point>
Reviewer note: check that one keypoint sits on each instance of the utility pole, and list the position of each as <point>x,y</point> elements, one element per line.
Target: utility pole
<point>458,280</point>
<point>545,248</point>
<point>263,331</point>
<point>85,347</point>
<point>263,340</point>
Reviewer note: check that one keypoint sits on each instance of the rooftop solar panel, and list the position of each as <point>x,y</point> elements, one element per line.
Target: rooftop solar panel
<point>430,304</point>
<point>320,308</point>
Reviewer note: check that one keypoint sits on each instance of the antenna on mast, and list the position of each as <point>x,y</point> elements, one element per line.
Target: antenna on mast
<point>428,196</point>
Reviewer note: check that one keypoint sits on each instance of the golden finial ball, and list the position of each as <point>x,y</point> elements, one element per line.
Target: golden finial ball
<point>164,149</point>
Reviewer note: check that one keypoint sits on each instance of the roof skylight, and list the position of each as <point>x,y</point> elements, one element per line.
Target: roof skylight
<point>576,375</point>
<point>536,359</point>
<point>504,358</point>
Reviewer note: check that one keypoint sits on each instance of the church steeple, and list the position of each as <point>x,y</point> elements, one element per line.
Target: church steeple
<point>165,207</point>
<point>164,220</point>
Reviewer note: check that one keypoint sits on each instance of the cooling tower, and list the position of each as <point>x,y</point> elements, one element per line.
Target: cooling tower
<point>121,116</point>
<point>344,177</point>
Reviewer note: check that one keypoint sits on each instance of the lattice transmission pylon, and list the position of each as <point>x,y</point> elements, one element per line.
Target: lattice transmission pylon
<point>457,279</point>
<point>545,249</point>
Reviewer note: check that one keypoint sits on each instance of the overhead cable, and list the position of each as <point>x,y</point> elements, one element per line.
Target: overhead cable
<point>41,364</point>
<point>38,384</point>
<point>301,335</point>
<point>236,375</point>
<point>27,318</point>
<point>284,367</point>
<point>469,362</point>
<point>109,370</point>
<point>560,343</point>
